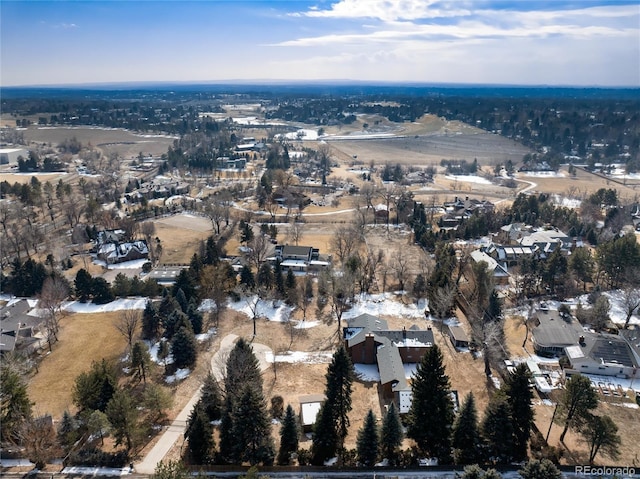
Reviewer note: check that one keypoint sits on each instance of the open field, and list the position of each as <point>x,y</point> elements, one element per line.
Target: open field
<point>83,338</point>
<point>126,144</point>
<point>579,186</point>
<point>180,236</point>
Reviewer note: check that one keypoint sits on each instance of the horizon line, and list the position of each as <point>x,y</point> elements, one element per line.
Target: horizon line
<point>282,82</point>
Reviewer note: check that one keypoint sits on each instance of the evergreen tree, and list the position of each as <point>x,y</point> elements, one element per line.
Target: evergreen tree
<point>150,322</point>
<point>228,451</point>
<point>497,429</point>
<point>601,435</point>
<point>15,406</point>
<point>122,413</point>
<point>265,277</point>
<point>290,281</point>
<point>181,299</point>
<point>140,361</point>
<point>466,439</point>
<point>242,368</point>
<point>94,389</point>
<point>368,441</point>
<point>288,437</point>
<point>195,317</point>
<point>172,323</point>
<point>392,435</point>
<point>246,277</point>
<point>83,285</point>
<point>338,392</point>
<point>325,436</point>
<point>211,398</point>
<point>199,435</point>
<point>279,280</point>
<point>184,348</point>
<point>520,398</point>
<point>67,430</point>
<point>101,291</point>
<point>431,414</point>
<point>540,469</point>
<point>577,400</point>
<point>252,427</point>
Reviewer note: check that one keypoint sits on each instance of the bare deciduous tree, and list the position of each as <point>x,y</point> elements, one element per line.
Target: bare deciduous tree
<point>260,246</point>
<point>54,292</point>
<point>344,242</point>
<point>296,230</point>
<point>630,303</point>
<point>400,265</point>
<point>128,325</point>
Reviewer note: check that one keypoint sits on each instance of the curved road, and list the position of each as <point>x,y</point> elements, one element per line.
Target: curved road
<point>176,429</point>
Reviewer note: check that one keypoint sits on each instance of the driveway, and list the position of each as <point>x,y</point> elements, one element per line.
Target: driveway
<point>176,430</point>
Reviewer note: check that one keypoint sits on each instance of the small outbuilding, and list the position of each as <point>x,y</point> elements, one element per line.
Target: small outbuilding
<point>458,337</point>
<point>310,405</point>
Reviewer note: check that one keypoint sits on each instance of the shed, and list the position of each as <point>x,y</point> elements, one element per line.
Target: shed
<point>458,337</point>
<point>309,408</point>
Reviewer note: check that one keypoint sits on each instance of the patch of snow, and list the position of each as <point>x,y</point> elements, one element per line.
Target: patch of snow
<point>306,324</point>
<point>543,174</point>
<point>469,179</point>
<point>207,305</point>
<point>117,305</point>
<point>178,376</point>
<point>276,311</point>
<point>96,471</point>
<point>133,264</point>
<point>204,336</point>
<point>410,369</point>
<point>153,352</point>
<point>331,462</point>
<point>367,372</point>
<point>384,304</point>
<point>300,357</point>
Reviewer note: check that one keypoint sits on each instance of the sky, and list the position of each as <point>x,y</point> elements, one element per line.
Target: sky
<point>526,42</point>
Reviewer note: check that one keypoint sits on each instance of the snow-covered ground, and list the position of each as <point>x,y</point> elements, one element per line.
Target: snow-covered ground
<point>469,179</point>
<point>117,305</point>
<point>276,311</point>
<point>384,305</point>
<point>542,174</point>
<point>179,375</point>
<point>300,357</point>
<point>565,202</point>
<point>133,264</point>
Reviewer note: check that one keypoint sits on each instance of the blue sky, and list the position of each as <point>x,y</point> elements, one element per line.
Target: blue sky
<point>528,42</point>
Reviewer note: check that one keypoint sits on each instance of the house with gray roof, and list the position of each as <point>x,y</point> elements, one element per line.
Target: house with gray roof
<point>19,330</point>
<point>553,332</point>
<point>604,355</point>
<point>368,340</point>
<point>298,258</point>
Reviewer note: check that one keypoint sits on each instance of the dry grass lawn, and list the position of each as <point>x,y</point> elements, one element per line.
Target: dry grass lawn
<point>83,338</point>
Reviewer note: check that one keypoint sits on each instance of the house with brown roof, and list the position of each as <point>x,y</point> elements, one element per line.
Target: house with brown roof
<point>368,340</point>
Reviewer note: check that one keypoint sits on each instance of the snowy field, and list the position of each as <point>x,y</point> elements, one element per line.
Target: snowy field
<point>117,305</point>
<point>276,311</point>
<point>469,179</point>
<point>300,357</point>
<point>384,305</point>
<point>542,174</point>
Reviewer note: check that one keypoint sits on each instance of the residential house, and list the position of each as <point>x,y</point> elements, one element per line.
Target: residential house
<point>112,253</point>
<point>20,330</point>
<point>553,332</point>
<point>369,340</point>
<point>299,258</point>
<point>603,354</point>
<point>498,272</point>
<point>509,256</point>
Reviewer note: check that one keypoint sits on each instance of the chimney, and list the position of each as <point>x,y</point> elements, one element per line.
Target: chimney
<point>404,333</point>
<point>581,341</point>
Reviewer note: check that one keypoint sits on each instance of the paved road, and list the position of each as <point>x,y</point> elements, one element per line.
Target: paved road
<point>176,430</point>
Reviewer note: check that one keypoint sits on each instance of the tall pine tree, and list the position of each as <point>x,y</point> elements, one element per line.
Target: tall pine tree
<point>211,398</point>
<point>325,436</point>
<point>519,395</point>
<point>392,435</point>
<point>199,435</point>
<point>497,429</point>
<point>368,441</point>
<point>288,437</point>
<point>466,439</point>
<point>338,392</point>
<point>431,414</point>
<point>252,427</point>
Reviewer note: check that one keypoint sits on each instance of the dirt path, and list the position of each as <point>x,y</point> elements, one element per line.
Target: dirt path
<point>176,430</point>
